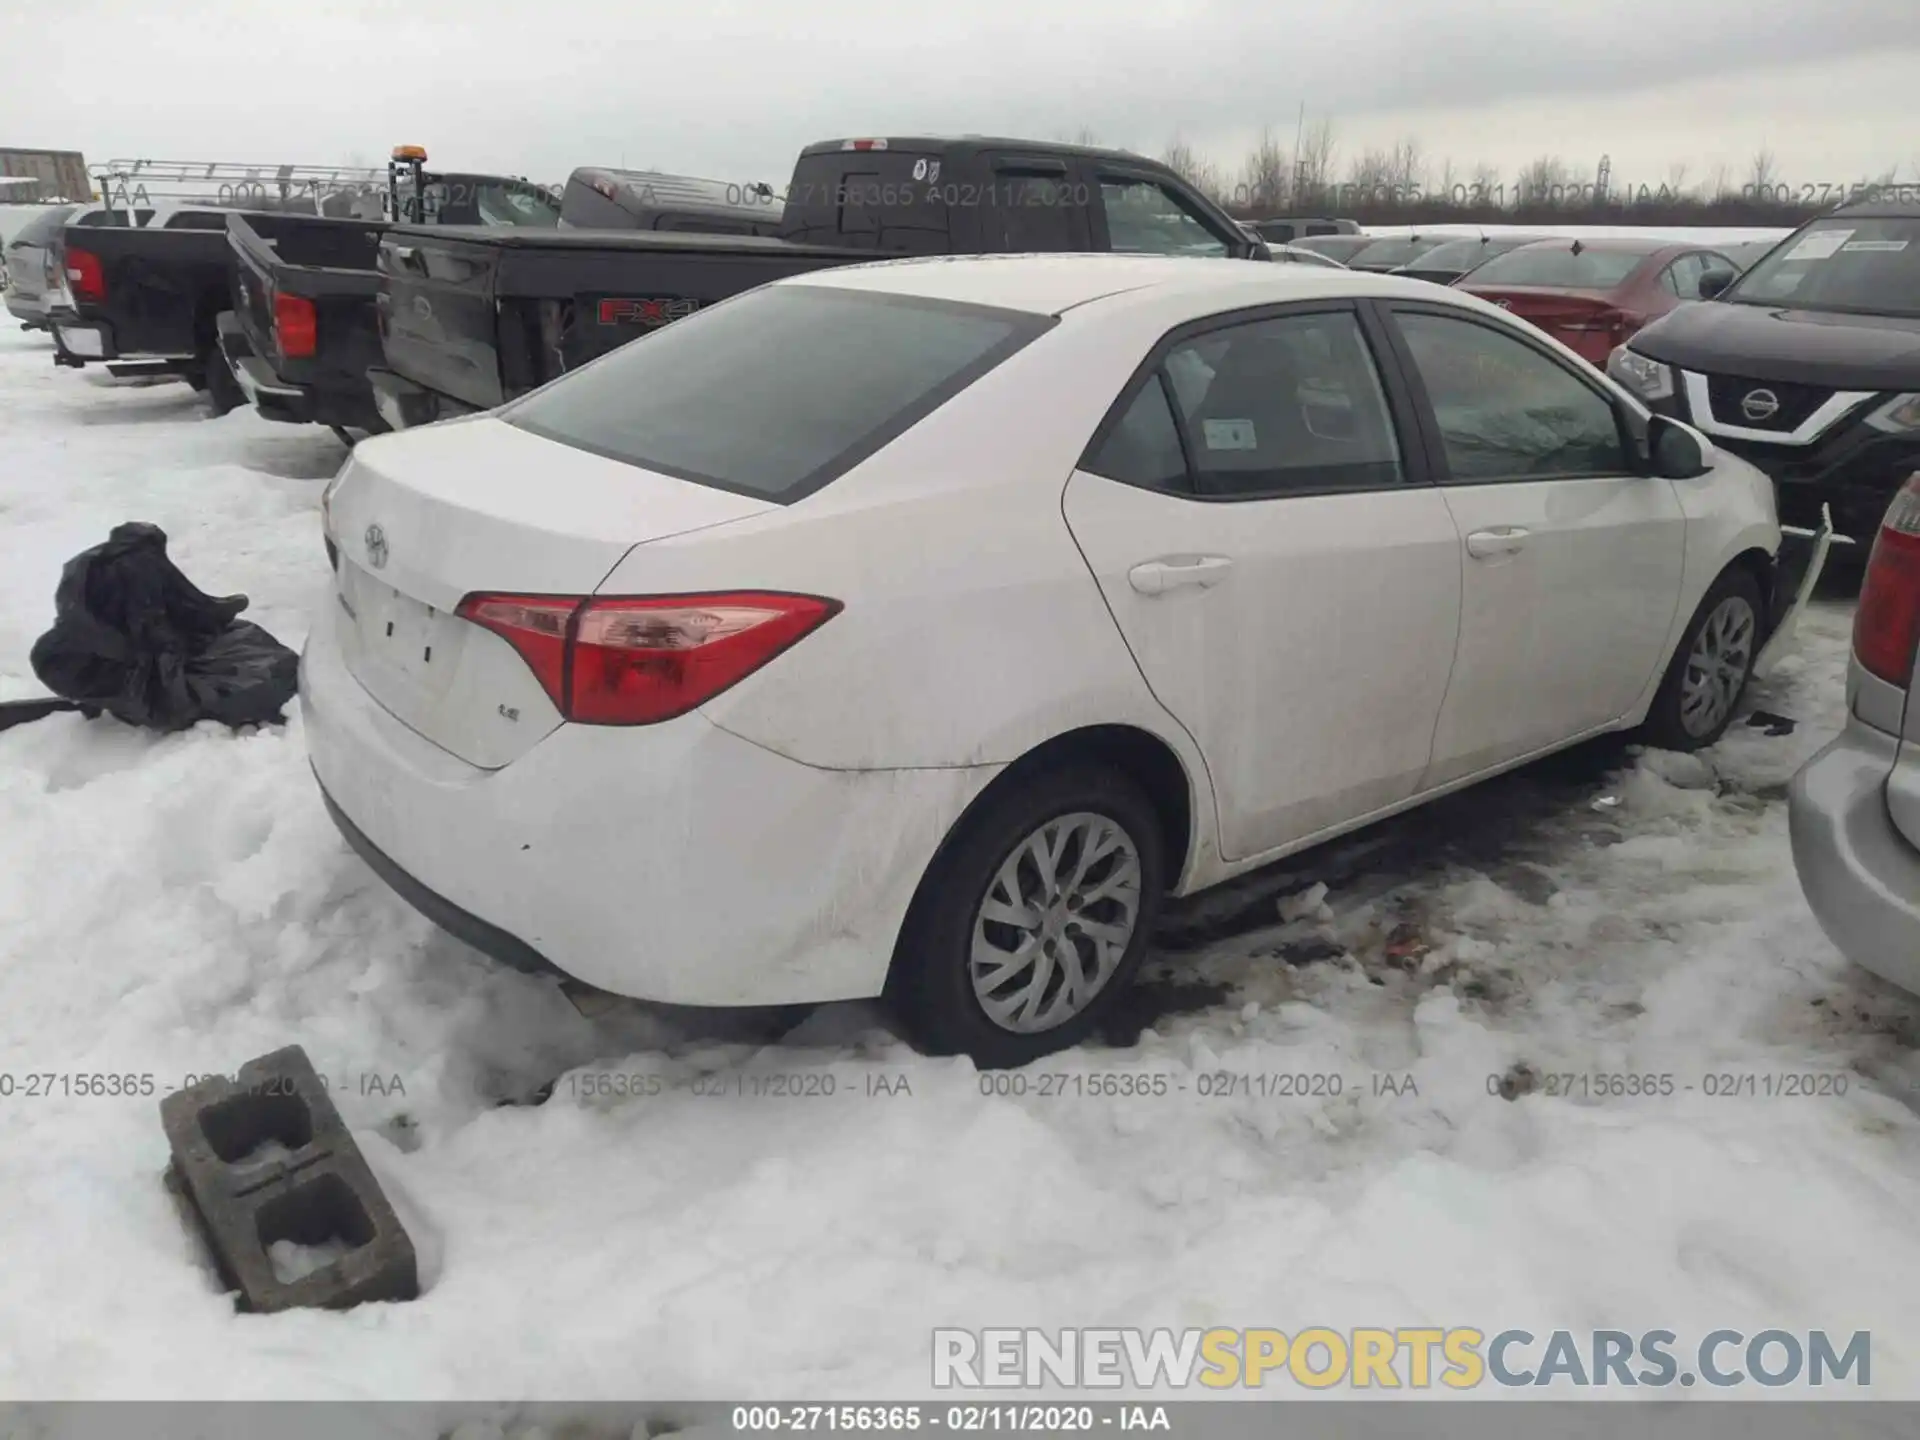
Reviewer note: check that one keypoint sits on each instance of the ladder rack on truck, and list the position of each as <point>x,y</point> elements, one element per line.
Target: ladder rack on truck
<point>310,189</point>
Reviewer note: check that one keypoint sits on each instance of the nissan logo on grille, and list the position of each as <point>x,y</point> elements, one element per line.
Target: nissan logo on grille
<point>376,547</point>
<point>1760,405</point>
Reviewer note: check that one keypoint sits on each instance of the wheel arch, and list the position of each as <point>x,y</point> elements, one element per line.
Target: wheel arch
<point>1145,758</point>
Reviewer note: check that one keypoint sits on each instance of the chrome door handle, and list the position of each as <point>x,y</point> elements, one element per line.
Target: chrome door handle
<point>1156,577</point>
<point>1507,540</point>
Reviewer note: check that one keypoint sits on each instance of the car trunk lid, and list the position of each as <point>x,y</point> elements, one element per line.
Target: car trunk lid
<point>419,520</point>
<point>1551,310</point>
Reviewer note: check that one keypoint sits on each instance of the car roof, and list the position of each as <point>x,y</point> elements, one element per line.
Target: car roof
<point>958,143</point>
<point>1054,284</point>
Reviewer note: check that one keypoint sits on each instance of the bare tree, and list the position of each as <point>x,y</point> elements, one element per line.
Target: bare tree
<point>1488,185</point>
<point>1675,185</point>
<point>1313,170</point>
<point>1193,167</point>
<point>1369,177</point>
<point>1719,182</point>
<point>1406,171</point>
<point>1543,181</point>
<point>1265,177</point>
<point>1083,136</point>
<point>1448,181</point>
<point>1763,173</point>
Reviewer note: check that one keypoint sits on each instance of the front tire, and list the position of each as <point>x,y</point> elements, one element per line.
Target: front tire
<point>1032,920</point>
<point>1710,670</point>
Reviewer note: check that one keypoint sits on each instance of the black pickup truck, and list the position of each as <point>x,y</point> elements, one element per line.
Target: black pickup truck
<point>302,334</point>
<point>470,320</point>
<point>144,294</point>
<point>156,296</point>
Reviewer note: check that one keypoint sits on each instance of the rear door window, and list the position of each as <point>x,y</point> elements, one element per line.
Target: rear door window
<point>720,399</point>
<point>1144,217</point>
<point>1036,209</point>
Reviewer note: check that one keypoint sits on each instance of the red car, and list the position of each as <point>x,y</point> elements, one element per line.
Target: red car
<point>1592,295</point>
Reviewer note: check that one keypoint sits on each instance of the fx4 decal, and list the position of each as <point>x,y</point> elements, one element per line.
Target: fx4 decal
<point>649,313</point>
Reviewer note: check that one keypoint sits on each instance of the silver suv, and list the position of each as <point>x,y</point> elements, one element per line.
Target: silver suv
<point>1855,807</point>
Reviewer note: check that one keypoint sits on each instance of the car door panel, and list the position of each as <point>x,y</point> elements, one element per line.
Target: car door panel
<point>1572,561</point>
<point>1310,671</point>
<point>1289,588</point>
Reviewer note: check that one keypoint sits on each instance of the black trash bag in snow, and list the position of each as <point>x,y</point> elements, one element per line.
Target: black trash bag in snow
<point>134,637</point>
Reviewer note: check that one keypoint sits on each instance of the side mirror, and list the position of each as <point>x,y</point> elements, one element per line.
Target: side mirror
<point>1678,451</point>
<point>1713,284</point>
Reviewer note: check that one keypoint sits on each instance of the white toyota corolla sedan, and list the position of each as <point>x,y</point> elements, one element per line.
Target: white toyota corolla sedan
<point>912,629</point>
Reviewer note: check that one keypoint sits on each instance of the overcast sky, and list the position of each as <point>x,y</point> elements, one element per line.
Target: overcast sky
<point>732,88</point>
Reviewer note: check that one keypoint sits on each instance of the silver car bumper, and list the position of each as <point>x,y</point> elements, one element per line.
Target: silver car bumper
<point>1860,874</point>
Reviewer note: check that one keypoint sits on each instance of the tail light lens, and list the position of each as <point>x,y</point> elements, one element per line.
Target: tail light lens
<point>642,659</point>
<point>1886,627</point>
<point>86,280</point>
<point>296,328</point>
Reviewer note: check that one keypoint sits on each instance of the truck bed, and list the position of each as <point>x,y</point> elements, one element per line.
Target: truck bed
<point>481,316</point>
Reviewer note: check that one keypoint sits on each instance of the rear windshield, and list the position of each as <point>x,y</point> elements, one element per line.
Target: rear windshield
<point>44,226</point>
<point>1395,251</point>
<point>515,202</point>
<point>1340,247</point>
<point>1868,267</point>
<point>778,391</point>
<point>1557,267</point>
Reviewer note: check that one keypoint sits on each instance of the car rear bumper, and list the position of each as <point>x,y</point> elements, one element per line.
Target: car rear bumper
<point>1860,874</point>
<point>79,342</point>
<point>265,390</point>
<point>29,310</point>
<point>404,405</point>
<point>675,863</point>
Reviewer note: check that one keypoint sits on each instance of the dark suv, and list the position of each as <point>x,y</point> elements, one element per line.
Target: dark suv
<point>1807,365</point>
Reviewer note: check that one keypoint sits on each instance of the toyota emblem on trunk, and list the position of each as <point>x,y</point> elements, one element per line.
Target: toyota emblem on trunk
<point>376,547</point>
<point>1760,405</point>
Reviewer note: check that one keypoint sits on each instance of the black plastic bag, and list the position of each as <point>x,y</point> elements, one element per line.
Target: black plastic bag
<point>134,637</point>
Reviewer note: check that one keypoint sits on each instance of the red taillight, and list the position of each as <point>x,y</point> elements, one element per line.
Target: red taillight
<point>643,659</point>
<point>296,328</point>
<point>86,280</point>
<point>1886,627</point>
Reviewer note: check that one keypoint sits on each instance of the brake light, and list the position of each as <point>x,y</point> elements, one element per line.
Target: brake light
<point>863,144</point>
<point>86,280</point>
<point>638,660</point>
<point>296,328</point>
<point>1886,626</point>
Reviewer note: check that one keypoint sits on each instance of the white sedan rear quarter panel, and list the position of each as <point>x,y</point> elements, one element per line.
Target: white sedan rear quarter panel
<point>973,630</point>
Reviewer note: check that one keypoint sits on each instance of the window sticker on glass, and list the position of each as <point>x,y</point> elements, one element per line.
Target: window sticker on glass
<point>1819,245</point>
<point>1877,247</point>
<point>1231,435</point>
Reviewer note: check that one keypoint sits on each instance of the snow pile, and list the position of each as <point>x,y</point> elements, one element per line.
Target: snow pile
<point>674,1222</point>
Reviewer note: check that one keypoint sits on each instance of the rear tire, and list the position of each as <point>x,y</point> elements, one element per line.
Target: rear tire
<point>1710,669</point>
<point>1032,919</point>
<point>223,391</point>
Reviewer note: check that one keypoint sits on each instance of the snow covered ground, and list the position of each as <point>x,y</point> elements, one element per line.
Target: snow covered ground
<point>174,906</point>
